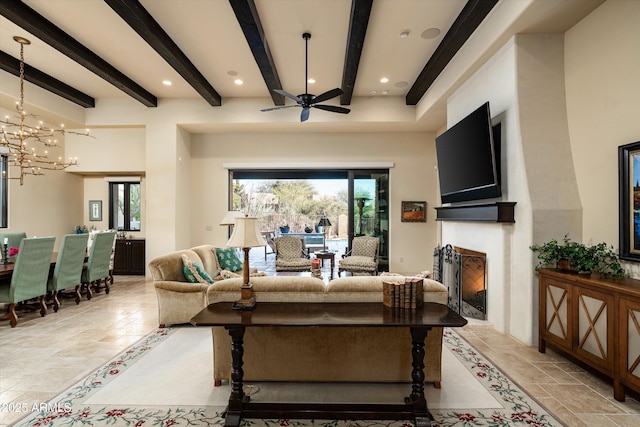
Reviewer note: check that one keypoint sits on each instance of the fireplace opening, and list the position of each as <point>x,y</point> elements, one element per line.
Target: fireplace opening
<point>463,272</point>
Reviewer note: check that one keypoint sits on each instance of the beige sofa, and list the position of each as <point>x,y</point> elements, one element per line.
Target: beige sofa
<point>349,354</point>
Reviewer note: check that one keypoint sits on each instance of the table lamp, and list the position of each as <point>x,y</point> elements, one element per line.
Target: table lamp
<point>324,222</point>
<point>230,217</point>
<point>246,235</point>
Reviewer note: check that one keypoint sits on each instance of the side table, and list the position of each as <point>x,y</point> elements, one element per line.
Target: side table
<point>322,255</point>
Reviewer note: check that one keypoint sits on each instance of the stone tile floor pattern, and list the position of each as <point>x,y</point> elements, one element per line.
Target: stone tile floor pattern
<point>42,357</point>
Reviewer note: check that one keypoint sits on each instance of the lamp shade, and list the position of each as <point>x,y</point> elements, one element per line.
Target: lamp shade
<point>324,222</point>
<point>246,234</point>
<point>230,217</point>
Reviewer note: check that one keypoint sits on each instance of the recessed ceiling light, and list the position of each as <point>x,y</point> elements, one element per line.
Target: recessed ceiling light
<point>167,82</point>
<point>232,73</point>
<point>404,34</point>
<point>384,80</point>
<point>311,81</point>
<point>401,84</point>
<point>373,92</point>
<point>238,82</point>
<point>430,33</point>
<point>385,92</point>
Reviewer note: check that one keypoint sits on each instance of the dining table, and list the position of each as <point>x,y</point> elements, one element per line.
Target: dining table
<point>6,268</point>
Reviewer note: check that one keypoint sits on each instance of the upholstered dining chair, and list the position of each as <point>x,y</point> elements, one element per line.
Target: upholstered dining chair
<point>68,270</point>
<point>29,277</point>
<point>95,273</point>
<point>291,254</point>
<point>363,257</point>
<point>13,239</point>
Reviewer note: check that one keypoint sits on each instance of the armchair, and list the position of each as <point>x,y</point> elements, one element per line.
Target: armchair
<point>291,254</point>
<point>363,257</point>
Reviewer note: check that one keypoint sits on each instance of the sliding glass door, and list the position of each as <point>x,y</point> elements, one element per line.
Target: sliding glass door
<point>369,209</point>
<point>355,202</point>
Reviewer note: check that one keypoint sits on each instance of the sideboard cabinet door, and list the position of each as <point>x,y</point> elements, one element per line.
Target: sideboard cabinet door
<point>630,348</point>
<point>556,326</point>
<point>595,315</point>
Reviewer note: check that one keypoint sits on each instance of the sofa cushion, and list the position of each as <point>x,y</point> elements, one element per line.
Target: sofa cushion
<point>194,272</point>
<point>207,254</point>
<point>271,289</point>
<point>369,289</point>
<point>228,259</point>
<point>169,267</point>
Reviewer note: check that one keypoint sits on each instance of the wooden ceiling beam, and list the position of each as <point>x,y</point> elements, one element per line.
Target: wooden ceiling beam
<point>471,16</point>
<point>359,20</point>
<point>138,18</point>
<point>12,65</point>
<point>36,24</point>
<point>249,20</point>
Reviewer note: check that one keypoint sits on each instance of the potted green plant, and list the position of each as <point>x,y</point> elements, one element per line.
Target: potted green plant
<point>578,257</point>
<point>308,228</point>
<point>284,227</point>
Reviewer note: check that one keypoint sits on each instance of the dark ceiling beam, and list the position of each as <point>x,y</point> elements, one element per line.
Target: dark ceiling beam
<point>360,11</point>
<point>36,24</point>
<point>465,24</point>
<point>12,65</point>
<point>138,18</point>
<point>249,20</point>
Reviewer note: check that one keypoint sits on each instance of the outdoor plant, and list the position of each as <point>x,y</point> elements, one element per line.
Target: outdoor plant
<point>584,259</point>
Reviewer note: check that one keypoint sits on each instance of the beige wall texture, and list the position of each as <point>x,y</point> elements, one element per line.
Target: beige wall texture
<point>602,65</point>
<point>413,177</point>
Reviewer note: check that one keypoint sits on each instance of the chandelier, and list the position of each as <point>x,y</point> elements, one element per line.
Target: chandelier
<point>23,146</point>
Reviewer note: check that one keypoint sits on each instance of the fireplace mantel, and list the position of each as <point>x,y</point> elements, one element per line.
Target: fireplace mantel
<point>486,212</point>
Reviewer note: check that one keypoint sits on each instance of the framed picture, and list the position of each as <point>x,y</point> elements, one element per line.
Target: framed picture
<point>414,212</point>
<point>629,200</point>
<point>95,210</point>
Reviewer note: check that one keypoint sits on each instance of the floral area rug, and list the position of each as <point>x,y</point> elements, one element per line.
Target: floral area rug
<point>97,400</point>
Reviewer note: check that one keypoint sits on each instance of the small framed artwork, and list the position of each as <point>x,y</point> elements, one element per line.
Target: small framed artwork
<point>95,210</point>
<point>629,201</point>
<point>414,212</point>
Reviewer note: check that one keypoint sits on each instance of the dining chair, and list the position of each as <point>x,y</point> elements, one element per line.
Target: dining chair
<point>363,257</point>
<point>13,239</point>
<point>29,277</point>
<point>95,273</point>
<point>68,270</point>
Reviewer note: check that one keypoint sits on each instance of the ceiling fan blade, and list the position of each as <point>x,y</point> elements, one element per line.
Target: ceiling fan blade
<point>327,95</point>
<point>288,95</point>
<point>279,107</point>
<point>333,108</point>
<point>305,114</point>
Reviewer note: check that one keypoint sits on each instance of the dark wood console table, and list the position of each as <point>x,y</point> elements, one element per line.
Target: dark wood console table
<point>419,321</point>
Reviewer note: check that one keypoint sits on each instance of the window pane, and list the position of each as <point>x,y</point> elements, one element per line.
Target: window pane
<point>134,207</point>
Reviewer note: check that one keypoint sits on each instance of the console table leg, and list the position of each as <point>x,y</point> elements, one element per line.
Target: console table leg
<point>233,414</point>
<point>421,412</point>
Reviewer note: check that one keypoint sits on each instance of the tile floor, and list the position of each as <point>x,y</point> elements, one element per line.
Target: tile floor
<point>42,357</point>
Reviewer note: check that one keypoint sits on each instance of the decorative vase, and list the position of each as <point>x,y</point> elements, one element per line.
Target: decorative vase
<point>284,229</point>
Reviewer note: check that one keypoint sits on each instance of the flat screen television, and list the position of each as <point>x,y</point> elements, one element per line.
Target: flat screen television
<point>468,156</point>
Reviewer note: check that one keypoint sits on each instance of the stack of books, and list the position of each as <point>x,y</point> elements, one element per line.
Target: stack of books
<point>404,293</point>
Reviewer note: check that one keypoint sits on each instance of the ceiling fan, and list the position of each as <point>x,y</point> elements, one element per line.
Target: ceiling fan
<point>308,100</point>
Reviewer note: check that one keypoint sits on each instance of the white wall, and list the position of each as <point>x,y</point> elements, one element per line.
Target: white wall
<point>524,84</point>
<point>602,63</point>
<point>412,178</point>
<point>49,205</point>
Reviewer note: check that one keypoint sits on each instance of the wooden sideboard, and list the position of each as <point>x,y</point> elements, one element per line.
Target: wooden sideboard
<point>129,257</point>
<point>594,320</point>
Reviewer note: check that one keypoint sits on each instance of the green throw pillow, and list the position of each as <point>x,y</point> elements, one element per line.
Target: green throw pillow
<point>228,259</point>
<point>194,272</point>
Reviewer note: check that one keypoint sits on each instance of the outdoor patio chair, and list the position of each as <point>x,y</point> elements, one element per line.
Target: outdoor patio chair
<point>363,257</point>
<point>291,254</point>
